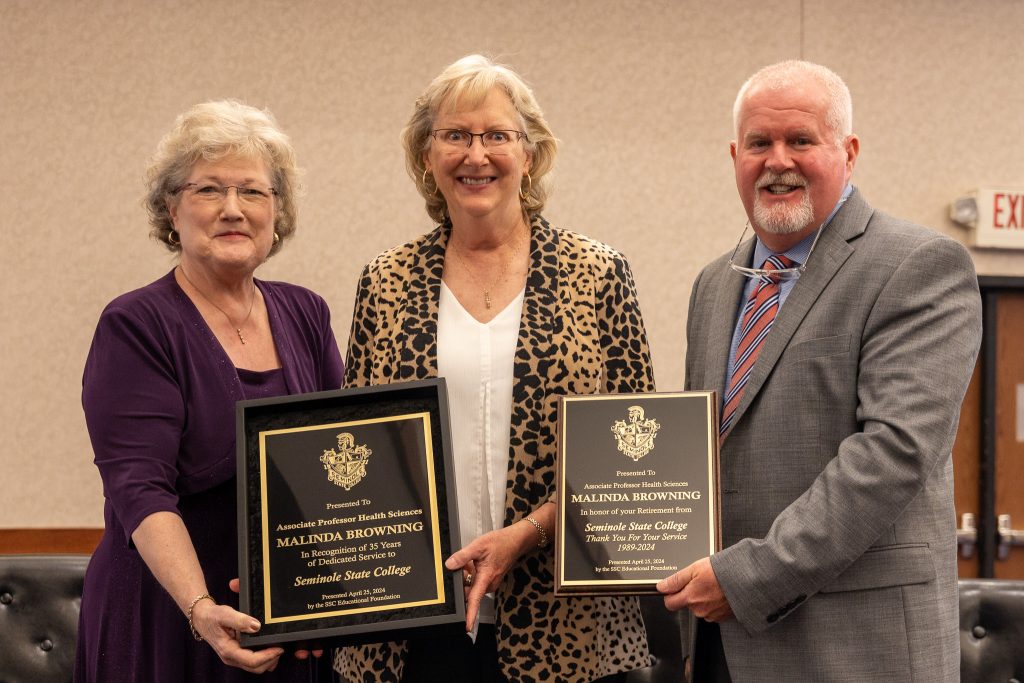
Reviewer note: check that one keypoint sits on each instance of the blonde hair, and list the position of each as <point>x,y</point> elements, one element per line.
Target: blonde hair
<point>467,82</point>
<point>212,131</point>
<point>793,72</point>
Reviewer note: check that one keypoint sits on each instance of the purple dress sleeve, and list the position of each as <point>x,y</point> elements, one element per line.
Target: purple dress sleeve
<point>136,415</point>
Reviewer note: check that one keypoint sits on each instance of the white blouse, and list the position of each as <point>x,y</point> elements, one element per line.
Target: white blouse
<point>476,361</point>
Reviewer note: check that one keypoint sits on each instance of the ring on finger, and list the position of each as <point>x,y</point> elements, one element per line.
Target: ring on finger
<point>468,579</point>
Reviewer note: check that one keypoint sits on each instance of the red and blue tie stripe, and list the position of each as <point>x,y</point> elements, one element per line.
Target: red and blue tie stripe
<point>758,315</point>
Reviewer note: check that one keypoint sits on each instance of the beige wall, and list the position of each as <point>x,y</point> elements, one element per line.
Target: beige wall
<point>640,94</point>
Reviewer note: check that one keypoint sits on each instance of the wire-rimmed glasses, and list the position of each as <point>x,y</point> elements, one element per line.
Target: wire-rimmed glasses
<point>774,275</point>
<point>494,141</point>
<point>212,192</point>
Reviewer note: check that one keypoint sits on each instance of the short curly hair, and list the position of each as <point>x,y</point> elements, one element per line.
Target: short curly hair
<point>217,130</point>
<point>468,81</point>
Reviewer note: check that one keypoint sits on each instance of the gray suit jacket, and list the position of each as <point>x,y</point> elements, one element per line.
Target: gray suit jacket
<point>839,556</point>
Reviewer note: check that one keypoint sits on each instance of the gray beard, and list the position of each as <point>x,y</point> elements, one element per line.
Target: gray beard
<point>783,220</point>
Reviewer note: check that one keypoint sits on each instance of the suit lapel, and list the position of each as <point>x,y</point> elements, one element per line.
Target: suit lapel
<point>832,250</point>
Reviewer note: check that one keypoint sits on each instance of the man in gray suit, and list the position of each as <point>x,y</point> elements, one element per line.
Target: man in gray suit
<point>841,340</point>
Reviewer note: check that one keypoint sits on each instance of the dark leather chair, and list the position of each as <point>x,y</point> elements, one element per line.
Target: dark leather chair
<point>40,597</point>
<point>991,630</point>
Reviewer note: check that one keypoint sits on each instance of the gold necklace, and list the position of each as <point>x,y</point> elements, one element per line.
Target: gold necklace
<point>501,276</point>
<point>238,328</point>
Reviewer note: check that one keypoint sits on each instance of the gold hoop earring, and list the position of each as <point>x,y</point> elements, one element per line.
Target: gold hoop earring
<point>173,238</point>
<point>529,188</point>
<point>423,181</point>
<point>277,237</point>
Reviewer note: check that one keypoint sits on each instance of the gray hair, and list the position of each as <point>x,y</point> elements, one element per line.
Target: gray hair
<point>216,130</point>
<point>467,82</point>
<point>788,74</point>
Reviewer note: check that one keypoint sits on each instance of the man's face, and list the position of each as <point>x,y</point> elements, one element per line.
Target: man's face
<point>789,171</point>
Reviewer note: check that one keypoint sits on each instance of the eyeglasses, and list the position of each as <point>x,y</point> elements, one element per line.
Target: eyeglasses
<point>494,141</point>
<point>212,192</point>
<point>766,274</point>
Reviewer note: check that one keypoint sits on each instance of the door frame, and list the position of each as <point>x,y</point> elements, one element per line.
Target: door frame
<point>991,287</point>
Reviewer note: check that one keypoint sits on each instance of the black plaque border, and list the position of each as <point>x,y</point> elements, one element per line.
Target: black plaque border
<point>390,623</point>
<point>621,586</point>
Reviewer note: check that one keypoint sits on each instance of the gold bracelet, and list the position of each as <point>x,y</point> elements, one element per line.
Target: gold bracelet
<point>192,626</point>
<point>540,530</point>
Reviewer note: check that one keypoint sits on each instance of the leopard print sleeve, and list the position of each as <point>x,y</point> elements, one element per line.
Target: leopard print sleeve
<point>625,353</point>
<point>359,357</point>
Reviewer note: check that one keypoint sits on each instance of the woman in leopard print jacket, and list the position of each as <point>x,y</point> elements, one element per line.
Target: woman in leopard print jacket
<point>513,313</point>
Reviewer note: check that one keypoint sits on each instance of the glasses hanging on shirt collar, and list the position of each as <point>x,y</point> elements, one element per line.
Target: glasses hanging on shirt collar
<point>793,273</point>
<point>775,275</point>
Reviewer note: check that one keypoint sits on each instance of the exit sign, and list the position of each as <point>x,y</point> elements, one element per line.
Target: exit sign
<point>1000,218</point>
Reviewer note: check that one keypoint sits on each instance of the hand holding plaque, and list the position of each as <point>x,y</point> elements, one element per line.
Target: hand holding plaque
<point>637,490</point>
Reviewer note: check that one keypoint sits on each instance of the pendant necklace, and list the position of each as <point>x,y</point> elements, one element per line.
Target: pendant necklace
<point>501,276</point>
<point>238,328</point>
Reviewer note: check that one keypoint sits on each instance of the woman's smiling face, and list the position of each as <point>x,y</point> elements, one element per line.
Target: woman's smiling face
<point>225,233</point>
<point>479,182</point>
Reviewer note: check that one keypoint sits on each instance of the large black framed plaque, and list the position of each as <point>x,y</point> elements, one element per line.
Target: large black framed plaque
<point>346,513</point>
<point>637,490</point>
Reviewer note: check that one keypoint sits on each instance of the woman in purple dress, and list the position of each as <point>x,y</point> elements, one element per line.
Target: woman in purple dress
<point>167,364</point>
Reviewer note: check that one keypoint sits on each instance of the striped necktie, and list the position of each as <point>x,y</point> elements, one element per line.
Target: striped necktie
<point>758,316</point>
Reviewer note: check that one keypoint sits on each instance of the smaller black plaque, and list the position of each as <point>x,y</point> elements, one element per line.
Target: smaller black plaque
<point>346,512</point>
<point>638,495</point>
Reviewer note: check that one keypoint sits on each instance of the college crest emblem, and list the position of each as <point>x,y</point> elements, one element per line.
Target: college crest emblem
<point>635,435</point>
<point>347,466</point>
